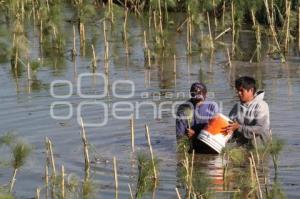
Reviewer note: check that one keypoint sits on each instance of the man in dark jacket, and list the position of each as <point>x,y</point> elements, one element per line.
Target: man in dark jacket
<point>193,115</point>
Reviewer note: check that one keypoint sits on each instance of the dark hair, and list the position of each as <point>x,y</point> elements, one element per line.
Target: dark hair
<point>245,82</point>
<point>198,86</point>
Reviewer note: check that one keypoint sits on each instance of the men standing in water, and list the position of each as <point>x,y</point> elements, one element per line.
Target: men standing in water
<point>251,115</point>
<point>193,115</point>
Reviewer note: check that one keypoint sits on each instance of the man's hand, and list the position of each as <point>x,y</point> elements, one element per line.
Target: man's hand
<point>233,126</point>
<point>190,133</point>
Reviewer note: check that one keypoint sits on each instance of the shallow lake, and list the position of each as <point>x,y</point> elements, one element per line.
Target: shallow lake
<point>67,86</point>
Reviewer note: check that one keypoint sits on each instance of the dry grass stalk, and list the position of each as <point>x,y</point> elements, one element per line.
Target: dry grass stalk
<point>191,176</point>
<point>154,21</point>
<point>151,151</point>
<point>82,35</point>
<point>160,17</point>
<point>210,33</point>
<point>222,33</point>
<point>37,193</point>
<point>253,17</point>
<point>256,176</point>
<point>116,177</point>
<point>299,28</point>
<point>215,15</point>
<point>130,190</point>
<point>106,56</point>
<point>251,172</point>
<point>272,27</point>
<point>94,57</point>
<point>233,29</point>
<point>28,71</point>
<point>52,161</point>
<point>85,152</point>
<point>189,31</point>
<point>174,69</point>
<point>149,20</point>
<point>223,13</point>
<point>41,31</point>
<point>145,41</point>
<point>177,192</point>
<point>287,34</point>
<point>125,30</point>
<point>74,51</point>
<point>13,180</point>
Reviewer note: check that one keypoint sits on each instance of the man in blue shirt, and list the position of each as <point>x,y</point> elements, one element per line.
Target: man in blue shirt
<point>193,115</point>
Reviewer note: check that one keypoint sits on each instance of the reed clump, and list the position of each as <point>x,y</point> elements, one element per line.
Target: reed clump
<point>274,148</point>
<point>52,38</point>
<point>64,185</point>
<point>20,151</point>
<point>5,195</point>
<point>194,181</point>
<point>251,176</point>
<point>146,181</point>
<point>183,144</point>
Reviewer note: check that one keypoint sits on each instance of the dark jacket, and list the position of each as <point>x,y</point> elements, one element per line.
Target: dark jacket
<point>195,117</point>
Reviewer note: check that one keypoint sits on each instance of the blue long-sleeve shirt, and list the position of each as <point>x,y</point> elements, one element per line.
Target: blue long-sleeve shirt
<point>195,117</point>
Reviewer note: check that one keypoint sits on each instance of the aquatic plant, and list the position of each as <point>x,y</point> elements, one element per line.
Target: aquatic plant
<point>274,148</point>
<point>146,178</point>
<point>5,195</point>
<point>20,48</point>
<point>276,192</point>
<point>193,179</point>
<point>7,139</point>
<point>20,152</point>
<point>183,144</point>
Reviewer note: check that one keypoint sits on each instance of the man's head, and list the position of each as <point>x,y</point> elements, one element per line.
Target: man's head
<point>198,92</point>
<point>246,88</point>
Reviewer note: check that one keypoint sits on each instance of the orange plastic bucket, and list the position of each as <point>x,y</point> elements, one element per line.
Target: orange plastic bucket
<point>212,133</point>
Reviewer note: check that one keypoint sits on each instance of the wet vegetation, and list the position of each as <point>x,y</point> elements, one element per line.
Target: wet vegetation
<point>245,173</point>
<point>19,151</point>
<point>207,24</point>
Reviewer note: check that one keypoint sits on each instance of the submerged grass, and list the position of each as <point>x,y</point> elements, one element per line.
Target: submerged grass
<point>183,144</point>
<point>146,179</point>
<point>192,179</point>
<point>251,177</point>
<point>19,150</point>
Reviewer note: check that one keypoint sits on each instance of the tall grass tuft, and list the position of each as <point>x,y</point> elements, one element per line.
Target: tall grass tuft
<point>274,148</point>
<point>20,152</point>
<point>146,177</point>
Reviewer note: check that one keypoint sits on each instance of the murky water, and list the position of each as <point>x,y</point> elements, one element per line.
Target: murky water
<point>25,108</point>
